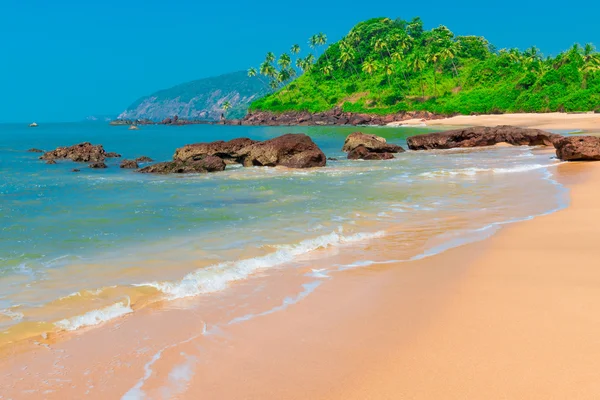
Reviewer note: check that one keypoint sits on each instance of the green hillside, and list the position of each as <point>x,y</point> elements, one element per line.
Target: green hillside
<point>386,66</point>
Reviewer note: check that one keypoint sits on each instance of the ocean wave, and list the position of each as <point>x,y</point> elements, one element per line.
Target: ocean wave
<point>475,170</point>
<point>218,277</point>
<point>13,315</point>
<point>95,317</point>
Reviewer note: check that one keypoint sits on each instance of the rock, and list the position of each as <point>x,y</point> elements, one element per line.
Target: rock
<point>35,151</point>
<point>112,155</point>
<point>482,136</point>
<point>332,117</point>
<point>134,128</point>
<point>578,148</point>
<point>143,159</point>
<point>129,164</point>
<point>362,153</point>
<point>371,143</point>
<point>290,150</point>
<point>75,170</point>
<point>98,165</point>
<point>50,162</point>
<point>204,165</point>
<point>228,151</point>
<point>82,152</point>
<point>332,159</point>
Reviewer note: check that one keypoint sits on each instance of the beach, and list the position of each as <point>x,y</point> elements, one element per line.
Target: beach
<point>581,122</point>
<point>507,311</point>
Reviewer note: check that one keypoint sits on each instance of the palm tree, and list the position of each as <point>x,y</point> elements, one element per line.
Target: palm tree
<point>321,40</point>
<point>591,63</point>
<point>327,69</point>
<point>295,49</point>
<point>370,66</point>
<point>313,43</point>
<point>388,68</point>
<point>433,58</point>
<point>270,57</point>
<point>226,106</point>
<point>309,61</point>
<point>284,61</point>
<point>418,65</point>
<point>448,51</point>
<point>252,73</point>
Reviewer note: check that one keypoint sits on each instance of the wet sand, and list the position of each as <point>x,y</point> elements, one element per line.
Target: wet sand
<point>513,316</point>
<point>585,122</point>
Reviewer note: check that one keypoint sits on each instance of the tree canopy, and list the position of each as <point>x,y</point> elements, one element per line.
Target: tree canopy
<point>386,66</point>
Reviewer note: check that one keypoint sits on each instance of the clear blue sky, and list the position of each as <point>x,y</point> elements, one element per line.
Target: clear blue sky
<point>64,60</point>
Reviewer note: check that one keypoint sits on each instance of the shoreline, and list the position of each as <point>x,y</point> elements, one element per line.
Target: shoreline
<point>507,317</point>
<point>354,338</point>
<point>368,335</point>
<point>585,122</point>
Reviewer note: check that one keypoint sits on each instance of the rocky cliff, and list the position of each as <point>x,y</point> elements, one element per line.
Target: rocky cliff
<point>200,99</point>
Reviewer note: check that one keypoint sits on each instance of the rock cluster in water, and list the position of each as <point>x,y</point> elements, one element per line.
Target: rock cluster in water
<point>82,152</point>
<point>361,146</point>
<point>568,148</point>
<point>201,165</point>
<point>482,136</point>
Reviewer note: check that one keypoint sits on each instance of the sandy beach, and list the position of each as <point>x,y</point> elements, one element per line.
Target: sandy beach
<point>584,122</point>
<point>510,316</point>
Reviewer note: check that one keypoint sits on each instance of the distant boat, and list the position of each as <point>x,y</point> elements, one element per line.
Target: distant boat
<point>33,125</point>
<point>133,128</point>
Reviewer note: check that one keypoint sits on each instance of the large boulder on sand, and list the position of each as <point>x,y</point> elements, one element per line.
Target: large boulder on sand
<point>82,152</point>
<point>228,151</point>
<point>372,143</point>
<point>578,148</point>
<point>203,165</point>
<point>482,136</point>
<point>293,150</point>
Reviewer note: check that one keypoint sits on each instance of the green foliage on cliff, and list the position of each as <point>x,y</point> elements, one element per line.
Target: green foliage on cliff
<point>385,66</point>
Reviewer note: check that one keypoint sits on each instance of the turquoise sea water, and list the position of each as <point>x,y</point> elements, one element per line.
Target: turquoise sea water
<point>96,235</point>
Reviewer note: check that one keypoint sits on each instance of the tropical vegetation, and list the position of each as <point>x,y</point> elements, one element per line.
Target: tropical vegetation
<point>386,66</point>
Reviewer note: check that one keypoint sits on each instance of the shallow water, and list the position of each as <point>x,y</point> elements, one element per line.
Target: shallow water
<point>80,248</point>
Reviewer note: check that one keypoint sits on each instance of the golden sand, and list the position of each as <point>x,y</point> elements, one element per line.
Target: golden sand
<point>585,122</point>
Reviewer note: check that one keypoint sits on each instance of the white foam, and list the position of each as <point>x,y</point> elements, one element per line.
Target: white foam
<point>13,315</point>
<point>474,170</point>
<point>219,276</point>
<point>95,317</point>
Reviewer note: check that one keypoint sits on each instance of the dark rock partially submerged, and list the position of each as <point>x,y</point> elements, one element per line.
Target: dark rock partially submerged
<point>75,170</point>
<point>362,153</point>
<point>204,165</point>
<point>50,162</point>
<point>578,148</point>
<point>143,159</point>
<point>34,150</point>
<point>228,151</point>
<point>292,150</point>
<point>482,136</point>
<point>112,155</point>
<point>82,152</point>
<point>98,165</point>
<point>129,164</point>
<point>371,143</point>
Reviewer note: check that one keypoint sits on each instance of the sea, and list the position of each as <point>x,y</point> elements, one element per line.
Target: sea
<point>78,249</point>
